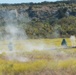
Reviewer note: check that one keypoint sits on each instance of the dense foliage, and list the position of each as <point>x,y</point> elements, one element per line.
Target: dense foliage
<point>41,20</point>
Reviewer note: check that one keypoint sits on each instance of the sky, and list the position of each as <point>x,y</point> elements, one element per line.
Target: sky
<point>23,1</point>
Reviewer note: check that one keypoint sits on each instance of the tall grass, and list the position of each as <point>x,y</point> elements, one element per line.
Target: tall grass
<point>45,62</point>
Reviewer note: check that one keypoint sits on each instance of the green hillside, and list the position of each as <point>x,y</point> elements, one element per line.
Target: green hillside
<point>40,20</point>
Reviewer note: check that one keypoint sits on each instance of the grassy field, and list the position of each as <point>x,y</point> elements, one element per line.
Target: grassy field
<point>45,57</point>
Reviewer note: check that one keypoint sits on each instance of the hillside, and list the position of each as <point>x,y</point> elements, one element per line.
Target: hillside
<point>39,20</point>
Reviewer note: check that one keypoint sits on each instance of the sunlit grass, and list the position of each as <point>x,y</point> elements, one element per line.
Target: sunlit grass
<point>41,61</point>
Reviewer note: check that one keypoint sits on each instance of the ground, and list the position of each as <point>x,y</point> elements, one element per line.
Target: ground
<point>37,57</point>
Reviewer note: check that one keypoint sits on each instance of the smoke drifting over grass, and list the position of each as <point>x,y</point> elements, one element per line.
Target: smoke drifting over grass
<point>14,32</point>
<point>73,40</point>
<point>11,26</point>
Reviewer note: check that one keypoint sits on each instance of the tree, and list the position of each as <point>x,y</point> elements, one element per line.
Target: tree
<point>69,0</point>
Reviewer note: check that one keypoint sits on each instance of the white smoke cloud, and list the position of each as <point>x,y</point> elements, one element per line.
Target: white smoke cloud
<point>73,40</point>
<point>14,32</point>
<point>12,28</point>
